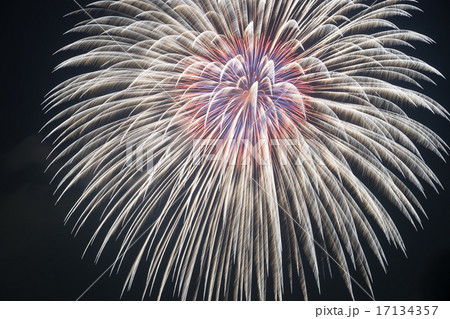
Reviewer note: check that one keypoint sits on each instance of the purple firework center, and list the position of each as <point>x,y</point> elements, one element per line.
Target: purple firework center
<point>244,88</point>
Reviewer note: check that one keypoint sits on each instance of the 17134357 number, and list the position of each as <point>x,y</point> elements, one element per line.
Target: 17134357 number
<point>405,310</point>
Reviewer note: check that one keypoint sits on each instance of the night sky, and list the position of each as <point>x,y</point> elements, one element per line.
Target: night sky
<point>41,260</point>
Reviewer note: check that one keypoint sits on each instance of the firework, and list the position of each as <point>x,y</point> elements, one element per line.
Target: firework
<point>240,143</point>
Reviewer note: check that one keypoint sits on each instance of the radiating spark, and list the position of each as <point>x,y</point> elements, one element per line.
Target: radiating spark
<point>241,109</point>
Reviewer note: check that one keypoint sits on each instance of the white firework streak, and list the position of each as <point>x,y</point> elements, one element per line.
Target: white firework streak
<point>244,110</point>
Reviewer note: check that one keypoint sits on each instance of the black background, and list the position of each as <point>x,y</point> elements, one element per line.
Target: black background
<point>41,260</point>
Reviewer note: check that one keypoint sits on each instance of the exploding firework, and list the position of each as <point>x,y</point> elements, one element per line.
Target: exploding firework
<point>241,143</point>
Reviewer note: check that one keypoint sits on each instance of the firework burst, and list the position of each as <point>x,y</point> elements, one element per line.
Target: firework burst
<point>268,131</point>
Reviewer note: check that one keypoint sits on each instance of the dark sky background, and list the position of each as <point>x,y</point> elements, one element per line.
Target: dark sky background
<point>41,260</point>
